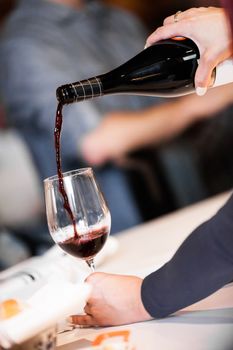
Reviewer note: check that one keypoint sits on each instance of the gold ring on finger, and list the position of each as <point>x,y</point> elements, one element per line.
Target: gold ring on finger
<point>176,16</point>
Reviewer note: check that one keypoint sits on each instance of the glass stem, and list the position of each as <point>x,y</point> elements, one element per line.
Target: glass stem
<point>90,263</point>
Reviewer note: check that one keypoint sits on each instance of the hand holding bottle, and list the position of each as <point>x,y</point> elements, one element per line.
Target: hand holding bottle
<point>209,29</point>
<point>169,68</point>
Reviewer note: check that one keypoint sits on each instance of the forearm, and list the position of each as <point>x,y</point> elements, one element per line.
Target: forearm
<point>161,123</point>
<point>164,122</point>
<point>122,132</point>
<point>202,265</point>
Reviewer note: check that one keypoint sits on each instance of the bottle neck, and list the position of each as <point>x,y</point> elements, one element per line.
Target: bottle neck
<point>80,91</point>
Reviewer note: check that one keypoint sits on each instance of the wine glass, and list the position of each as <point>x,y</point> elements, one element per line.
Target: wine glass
<point>78,218</point>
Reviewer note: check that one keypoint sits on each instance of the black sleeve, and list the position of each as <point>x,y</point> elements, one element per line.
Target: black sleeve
<point>201,265</point>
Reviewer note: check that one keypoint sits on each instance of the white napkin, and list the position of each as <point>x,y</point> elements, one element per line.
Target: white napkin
<point>23,280</point>
<point>51,304</point>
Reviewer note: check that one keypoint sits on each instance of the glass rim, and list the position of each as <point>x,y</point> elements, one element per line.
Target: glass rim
<point>69,173</point>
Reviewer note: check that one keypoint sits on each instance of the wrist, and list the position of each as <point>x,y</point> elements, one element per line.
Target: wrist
<point>142,312</point>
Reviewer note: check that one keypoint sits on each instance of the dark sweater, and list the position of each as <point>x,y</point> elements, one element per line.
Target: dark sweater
<point>201,265</point>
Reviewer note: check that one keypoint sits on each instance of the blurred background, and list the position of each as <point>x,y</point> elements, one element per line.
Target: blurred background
<point>188,162</point>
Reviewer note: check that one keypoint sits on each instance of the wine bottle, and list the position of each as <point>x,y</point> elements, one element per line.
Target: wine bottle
<point>165,69</point>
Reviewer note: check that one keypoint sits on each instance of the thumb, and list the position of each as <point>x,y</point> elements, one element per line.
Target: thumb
<point>203,77</point>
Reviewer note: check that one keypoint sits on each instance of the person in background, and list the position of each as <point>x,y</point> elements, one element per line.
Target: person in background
<point>54,42</point>
<point>45,44</point>
<point>204,261</point>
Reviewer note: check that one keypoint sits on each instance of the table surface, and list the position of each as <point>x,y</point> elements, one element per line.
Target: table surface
<point>143,249</point>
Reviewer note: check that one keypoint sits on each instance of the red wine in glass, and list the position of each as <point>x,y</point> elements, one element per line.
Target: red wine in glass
<point>90,212</point>
<point>87,245</point>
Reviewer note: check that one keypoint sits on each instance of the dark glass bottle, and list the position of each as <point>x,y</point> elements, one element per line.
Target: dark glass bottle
<point>166,69</point>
